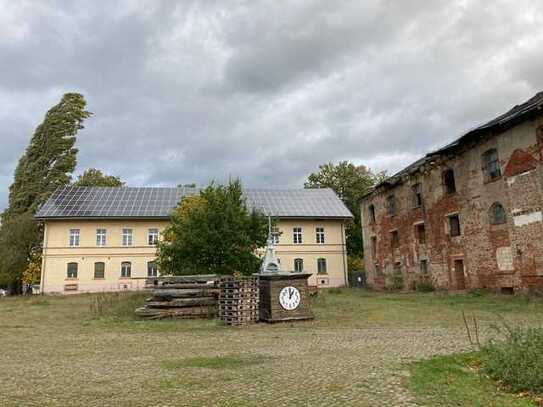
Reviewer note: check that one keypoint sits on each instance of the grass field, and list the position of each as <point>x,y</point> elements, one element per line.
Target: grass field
<point>359,351</point>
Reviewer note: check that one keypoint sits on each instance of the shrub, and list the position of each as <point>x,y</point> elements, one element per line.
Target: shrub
<point>516,361</point>
<point>424,287</point>
<point>116,305</point>
<point>478,292</point>
<point>396,281</point>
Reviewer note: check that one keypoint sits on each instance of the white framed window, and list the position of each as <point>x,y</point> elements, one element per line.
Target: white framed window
<point>298,265</point>
<point>152,269</point>
<point>152,238</point>
<point>297,235</point>
<point>72,270</point>
<point>99,270</point>
<point>319,235</point>
<point>321,266</point>
<point>101,237</point>
<point>127,238</point>
<point>126,269</point>
<point>275,234</point>
<point>74,237</point>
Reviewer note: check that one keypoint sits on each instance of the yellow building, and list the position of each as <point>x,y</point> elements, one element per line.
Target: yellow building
<point>103,239</point>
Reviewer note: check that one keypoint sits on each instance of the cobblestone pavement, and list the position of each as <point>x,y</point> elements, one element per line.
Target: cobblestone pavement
<point>345,367</point>
<point>54,355</point>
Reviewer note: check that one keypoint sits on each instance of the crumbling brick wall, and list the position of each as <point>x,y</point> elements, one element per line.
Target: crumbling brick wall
<point>485,255</point>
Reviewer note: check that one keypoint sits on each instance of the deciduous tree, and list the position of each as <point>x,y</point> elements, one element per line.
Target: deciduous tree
<point>351,182</point>
<point>96,178</point>
<point>213,232</point>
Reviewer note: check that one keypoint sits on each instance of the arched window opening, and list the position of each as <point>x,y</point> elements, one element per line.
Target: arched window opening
<point>497,214</point>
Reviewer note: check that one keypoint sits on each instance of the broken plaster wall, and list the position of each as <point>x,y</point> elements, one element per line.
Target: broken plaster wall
<point>509,255</point>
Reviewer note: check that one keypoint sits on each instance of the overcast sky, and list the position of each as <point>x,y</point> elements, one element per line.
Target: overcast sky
<point>190,91</point>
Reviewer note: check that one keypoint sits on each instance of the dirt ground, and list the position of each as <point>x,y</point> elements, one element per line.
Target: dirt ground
<point>56,353</point>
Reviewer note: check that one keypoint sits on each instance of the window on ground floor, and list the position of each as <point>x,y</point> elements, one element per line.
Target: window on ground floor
<point>321,266</point>
<point>152,269</point>
<point>72,270</point>
<point>126,269</point>
<point>497,214</point>
<point>99,269</point>
<point>298,265</point>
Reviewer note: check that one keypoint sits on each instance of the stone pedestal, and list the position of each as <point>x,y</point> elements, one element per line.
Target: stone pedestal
<point>271,286</point>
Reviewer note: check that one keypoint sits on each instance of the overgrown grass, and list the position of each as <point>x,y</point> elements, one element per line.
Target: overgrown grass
<point>116,305</point>
<point>214,362</point>
<point>517,360</point>
<point>457,381</point>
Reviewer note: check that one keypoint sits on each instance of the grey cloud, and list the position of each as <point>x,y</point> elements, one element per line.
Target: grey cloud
<point>200,90</point>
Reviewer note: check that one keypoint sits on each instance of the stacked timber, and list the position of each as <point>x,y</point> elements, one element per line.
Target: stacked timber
<point>238,300</point>
<point>181,297</point>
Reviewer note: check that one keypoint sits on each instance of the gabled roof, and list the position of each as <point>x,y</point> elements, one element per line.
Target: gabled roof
<point>515,115</point>
<point>71,202</point>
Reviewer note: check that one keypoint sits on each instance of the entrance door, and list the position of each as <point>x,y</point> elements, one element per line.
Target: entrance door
<point>459,278</point>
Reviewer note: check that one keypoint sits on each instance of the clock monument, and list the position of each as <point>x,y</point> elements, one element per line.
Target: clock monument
<point>284,296</point>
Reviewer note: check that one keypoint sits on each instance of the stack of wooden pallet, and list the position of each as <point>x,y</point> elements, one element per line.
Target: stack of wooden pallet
<point>238,300</point>
<point>182,297</point>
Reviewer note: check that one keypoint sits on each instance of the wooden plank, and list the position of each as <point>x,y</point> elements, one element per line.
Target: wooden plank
<point>182,302</point>
<point>161,313</point>
<point>184,293</point>
<point>188,279</point>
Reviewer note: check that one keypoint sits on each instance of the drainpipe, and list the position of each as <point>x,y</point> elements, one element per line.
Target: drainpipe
<point>42,277</point>
<point>344,251</point>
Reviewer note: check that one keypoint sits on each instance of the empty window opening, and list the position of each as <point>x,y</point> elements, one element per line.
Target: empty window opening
<point>421,233</point>
<point>391,205</point>
<point>424,266</point>
<point>491,165</point>
<point>449,182</point>
<point>371,210</point>
<point>395,239</point>
<point>417,195</point>
<point>373,247</point>
<point>454,225</point>
<point>497,214</point>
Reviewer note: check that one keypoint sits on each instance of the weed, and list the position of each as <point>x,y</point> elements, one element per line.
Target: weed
<point>517,360</point>
<point>116,305</point>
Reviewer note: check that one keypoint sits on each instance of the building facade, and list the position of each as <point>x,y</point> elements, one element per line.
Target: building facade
<point>466,216</point>
<point>104,239</point>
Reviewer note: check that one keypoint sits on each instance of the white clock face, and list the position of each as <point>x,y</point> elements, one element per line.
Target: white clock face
<point>289,298</point>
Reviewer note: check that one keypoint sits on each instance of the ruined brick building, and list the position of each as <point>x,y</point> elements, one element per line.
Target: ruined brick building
<point>468,215</point>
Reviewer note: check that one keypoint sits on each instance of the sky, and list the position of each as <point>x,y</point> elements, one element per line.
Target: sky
<point>196,91</point>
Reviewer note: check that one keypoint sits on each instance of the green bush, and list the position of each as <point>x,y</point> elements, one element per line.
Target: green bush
<point>478,292</point>
<point>396,282</point>
<point>116,305</point>
<point>516,361</point>
<point>424,287</point>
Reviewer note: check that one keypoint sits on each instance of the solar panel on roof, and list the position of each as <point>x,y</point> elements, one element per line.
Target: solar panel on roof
<point>101,202</point>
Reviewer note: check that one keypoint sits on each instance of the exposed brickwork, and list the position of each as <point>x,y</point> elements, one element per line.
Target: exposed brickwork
<point>487,253</point>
